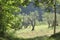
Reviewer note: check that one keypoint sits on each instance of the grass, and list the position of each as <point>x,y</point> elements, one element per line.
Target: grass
<point>41,30</point>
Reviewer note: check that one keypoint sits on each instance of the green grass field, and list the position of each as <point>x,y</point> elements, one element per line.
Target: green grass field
<point>41,30</point>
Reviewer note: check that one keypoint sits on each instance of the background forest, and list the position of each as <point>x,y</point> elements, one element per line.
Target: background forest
<point>29,19</point>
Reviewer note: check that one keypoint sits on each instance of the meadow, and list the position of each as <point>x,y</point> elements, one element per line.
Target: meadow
<point>41,32</point>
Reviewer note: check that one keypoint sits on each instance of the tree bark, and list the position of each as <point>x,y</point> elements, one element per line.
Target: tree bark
<point>55,16</point>
<point>33,25</point>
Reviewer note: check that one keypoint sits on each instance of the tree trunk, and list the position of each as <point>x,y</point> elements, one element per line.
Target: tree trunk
<point>48,24</point>
<point>33,28</point>
<point>33,25</point>
<point>55,16</point>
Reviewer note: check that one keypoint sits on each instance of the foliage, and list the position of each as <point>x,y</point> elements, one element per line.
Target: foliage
<point>8,8</point>
<point>46,4</point>
<point>48,16</point>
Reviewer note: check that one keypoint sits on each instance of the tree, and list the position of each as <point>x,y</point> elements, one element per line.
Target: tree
<point>47,4</point>
<point>48,17</point>
<point>55,16</point>
<point>7,10</point>
<point>33,18</point>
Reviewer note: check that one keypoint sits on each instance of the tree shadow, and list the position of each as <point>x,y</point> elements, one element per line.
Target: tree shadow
<point>56,36</point>
<point>36,38</point>
<point>52,37</point>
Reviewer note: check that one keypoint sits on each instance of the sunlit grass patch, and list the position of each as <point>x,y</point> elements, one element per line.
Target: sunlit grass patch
<point>40,30</point>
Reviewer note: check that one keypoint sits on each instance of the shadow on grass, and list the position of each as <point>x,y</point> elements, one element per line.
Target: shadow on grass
<point>36,38</point>
<point>56,36</point>
<point>52,37</point>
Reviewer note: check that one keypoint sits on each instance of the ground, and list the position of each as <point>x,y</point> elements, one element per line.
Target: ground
<point>41,30</point>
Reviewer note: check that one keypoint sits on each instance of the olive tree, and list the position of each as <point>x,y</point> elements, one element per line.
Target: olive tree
<point>33,18</point>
